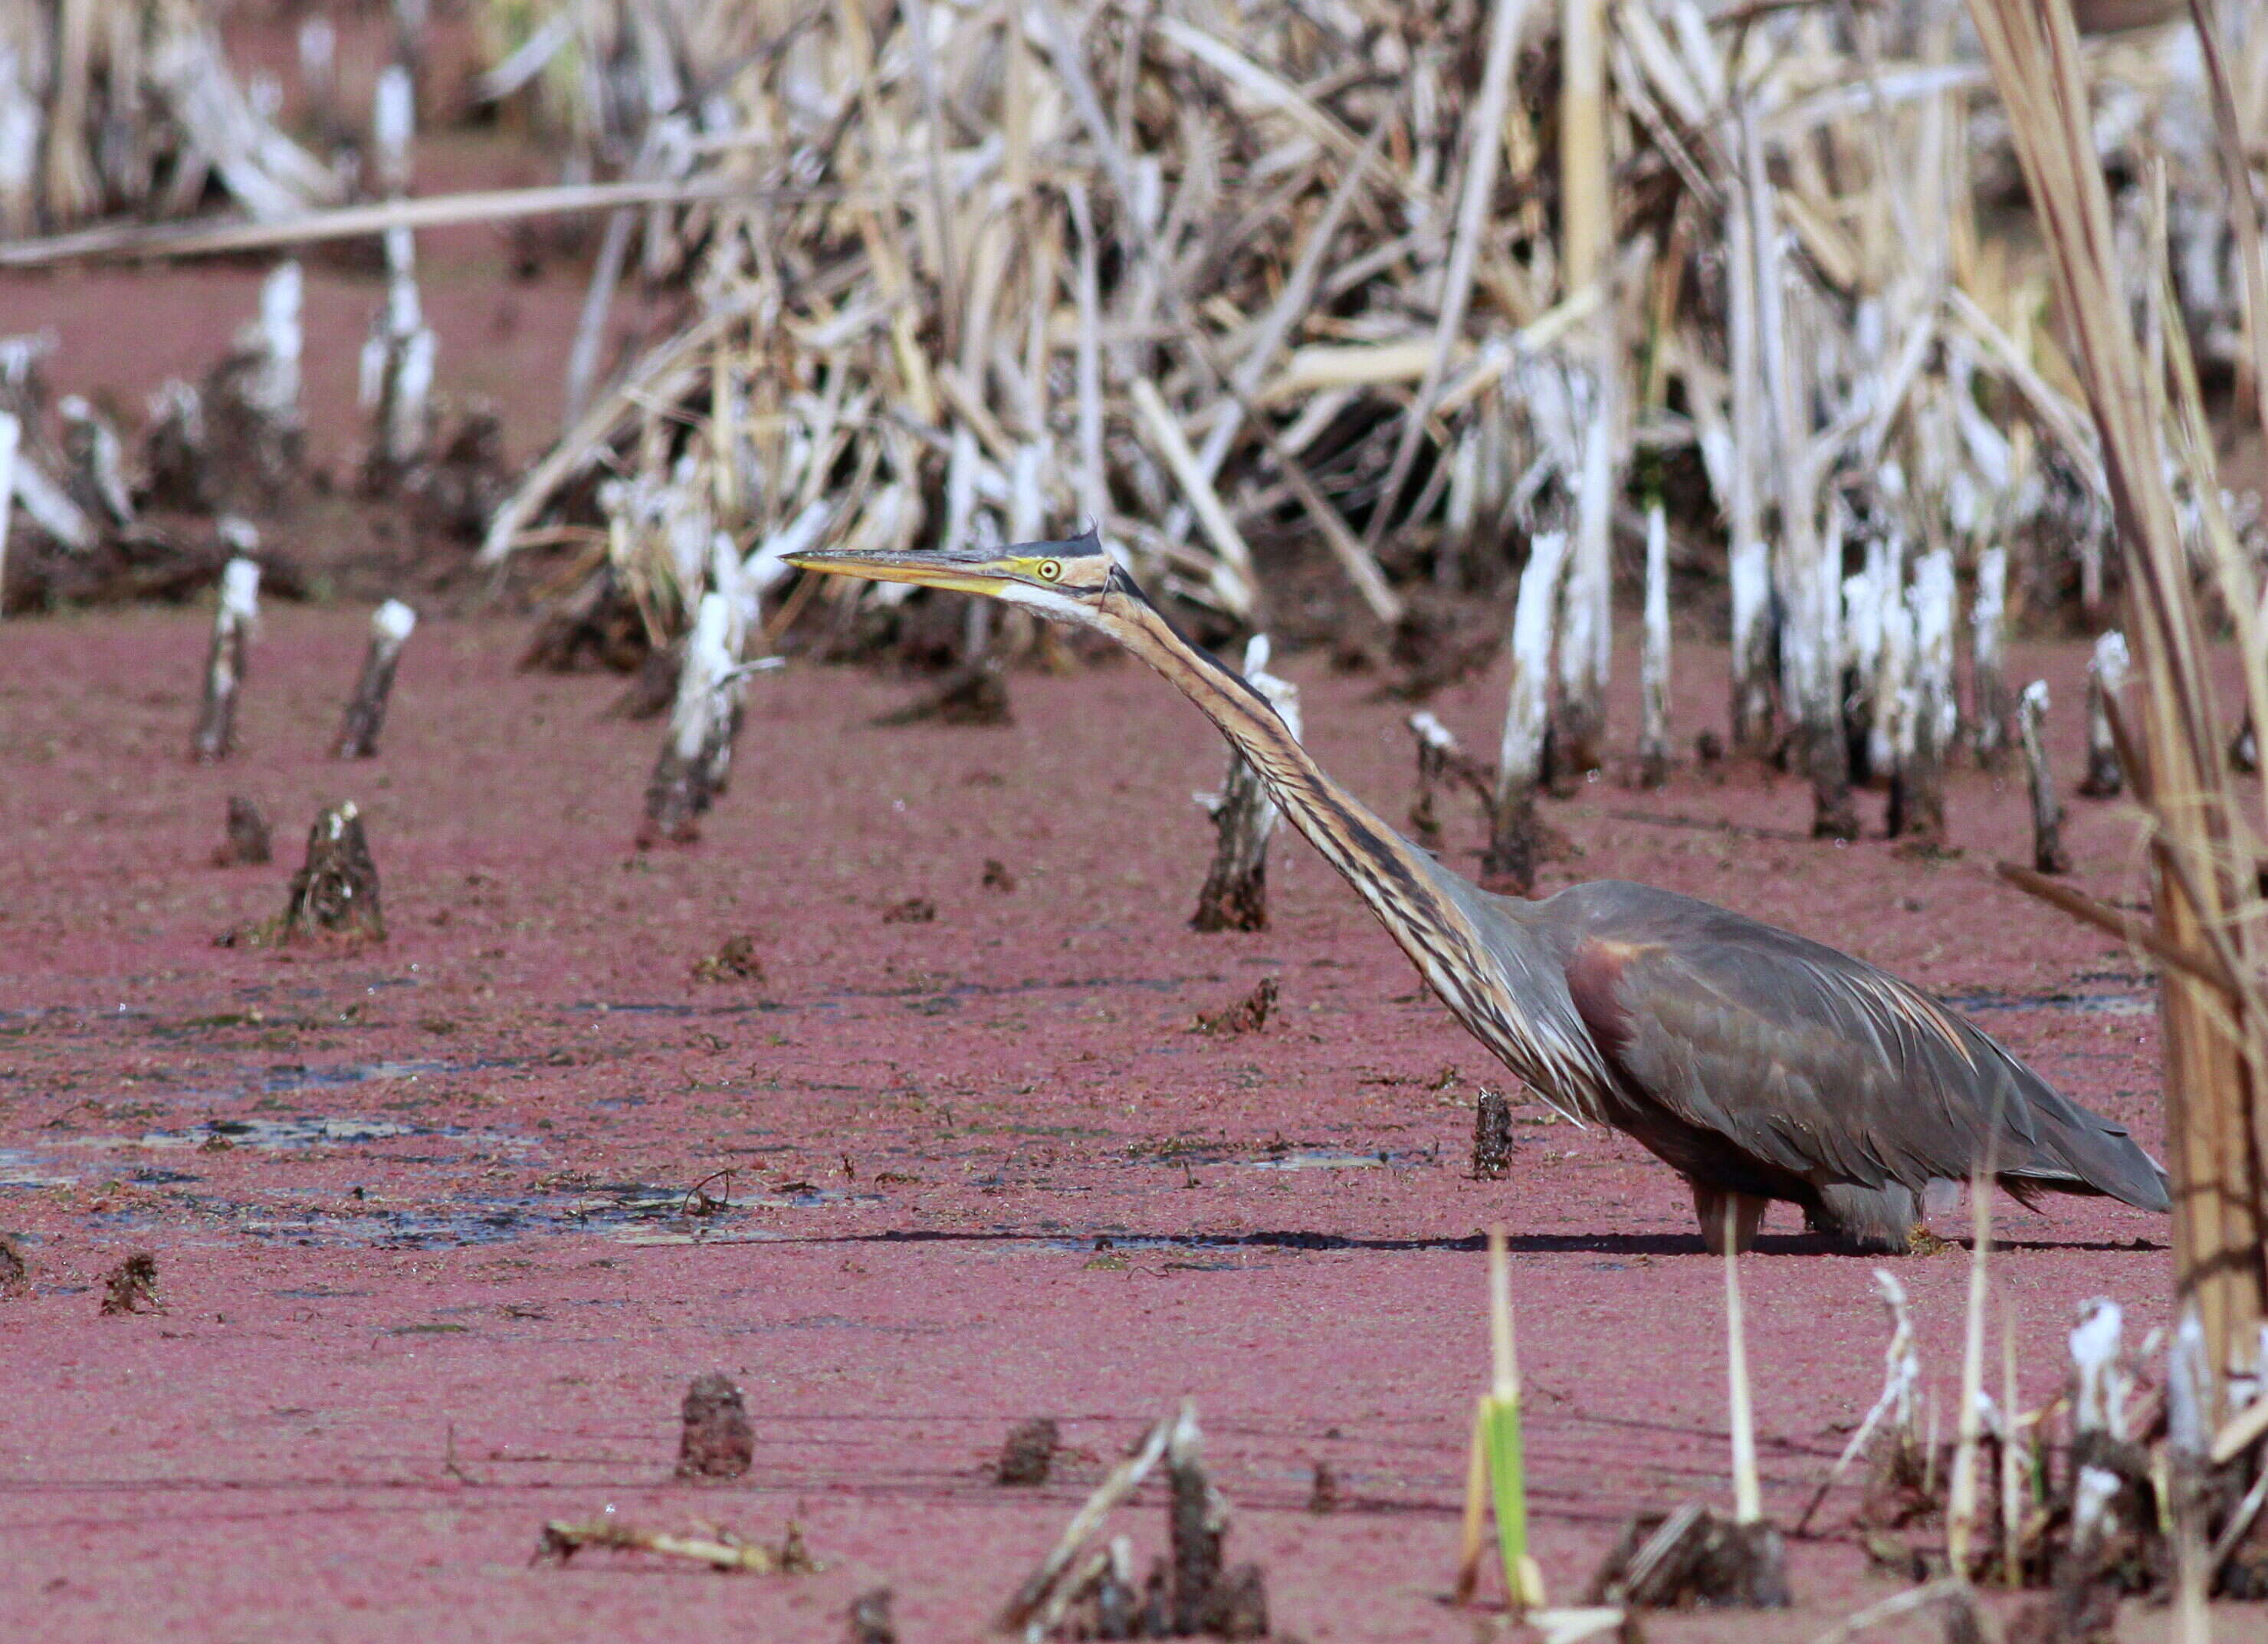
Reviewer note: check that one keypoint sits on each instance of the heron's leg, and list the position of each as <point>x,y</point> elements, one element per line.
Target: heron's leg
<point>1710,1204</point>
<point>1868,1220</point>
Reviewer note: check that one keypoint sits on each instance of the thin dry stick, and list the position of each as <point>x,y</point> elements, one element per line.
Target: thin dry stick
<point>140,241</point>
<point>1123,1480</point>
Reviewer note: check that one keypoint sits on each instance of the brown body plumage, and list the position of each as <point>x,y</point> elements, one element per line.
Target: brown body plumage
<point>1757,1063</point>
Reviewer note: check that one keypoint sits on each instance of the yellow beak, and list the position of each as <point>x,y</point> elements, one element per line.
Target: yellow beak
<point>956,570</point>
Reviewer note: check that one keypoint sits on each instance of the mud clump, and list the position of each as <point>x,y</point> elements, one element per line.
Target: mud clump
<point>716,1440</point>
<point>1692,1558</point>
<point>735,961</point>
<point>996,877</point>
<point>1492,1137</point>
<point>246,843</point>
<point>1249,1014</point>
<point>912,911</point>
<point>1029,1455</point>
<point>974,694</point>
<point>131,1287</point>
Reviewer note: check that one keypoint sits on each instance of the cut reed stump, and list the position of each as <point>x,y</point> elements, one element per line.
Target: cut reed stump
<point>12,439</point>
<point>1987,626</point>
<point>1029,1454</point>
<point>702,724</point>
<point>233,619</point>
<point>2106,677</point>
<point>390,627</point>
<point>94,462</point>
<point>1515,845</point>
<point>246,843</point>
<point>255,439</point>
<point>870,1617</point>
<point>336,890</point>
<point>1234,895</point>
<point>2048,854</point>
<point>1917,807</point>
<point>1653,665</point>
<point>177,450</point>
<point>1492,1137</point>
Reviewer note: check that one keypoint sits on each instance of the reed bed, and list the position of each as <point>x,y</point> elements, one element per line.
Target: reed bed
<point>1322,312</point>
<point>131,106</point>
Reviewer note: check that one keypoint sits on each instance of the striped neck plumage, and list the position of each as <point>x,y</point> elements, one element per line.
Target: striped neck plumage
<point>1509,992</point>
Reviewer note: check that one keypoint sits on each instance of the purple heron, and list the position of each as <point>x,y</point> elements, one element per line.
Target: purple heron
<point>1758,1064</point>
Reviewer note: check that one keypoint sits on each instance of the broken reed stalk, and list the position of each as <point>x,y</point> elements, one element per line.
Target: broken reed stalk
<point>1436,747</point>
<point>390,626</point>
<point>1748,561</point>
<point>1497,1474</point>
<point>2048,854</point>
<point>2106,677</point>
<point>1199,1525</point>
<point>233,620</point>
<point>1748,1492</point>
<point>12,436</point>
<point>2015,1474</point>
<point>1586,223</point>
<point>1962,1498</point>
<point>397,370</point>
<point>1987,632</point>
<point>1893,1408</point>
<point>1654,668</point>
<point>1483,148</point>
<point>1514,845</point>
<point>1032,1598</point>
<point>1234,896</point>
<point>2202,849</point>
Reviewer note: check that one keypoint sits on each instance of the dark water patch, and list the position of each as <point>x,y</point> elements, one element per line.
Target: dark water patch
<point>2092,1003</point>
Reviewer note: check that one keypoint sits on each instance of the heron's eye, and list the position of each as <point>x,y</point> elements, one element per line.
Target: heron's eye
<point>1050,570</point>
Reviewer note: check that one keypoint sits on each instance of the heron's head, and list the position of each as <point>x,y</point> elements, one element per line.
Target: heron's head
<point>1067,581</point>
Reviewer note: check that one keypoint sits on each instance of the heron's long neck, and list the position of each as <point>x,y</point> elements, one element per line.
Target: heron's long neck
<point>1504,986</point>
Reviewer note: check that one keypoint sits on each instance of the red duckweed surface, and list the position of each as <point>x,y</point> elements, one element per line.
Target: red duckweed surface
<point>445,1226</point>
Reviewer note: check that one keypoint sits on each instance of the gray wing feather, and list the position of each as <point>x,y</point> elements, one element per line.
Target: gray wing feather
<point>1825,1066</point>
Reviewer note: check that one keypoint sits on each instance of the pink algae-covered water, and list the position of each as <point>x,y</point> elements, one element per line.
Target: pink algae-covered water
<point>441,1285</point>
